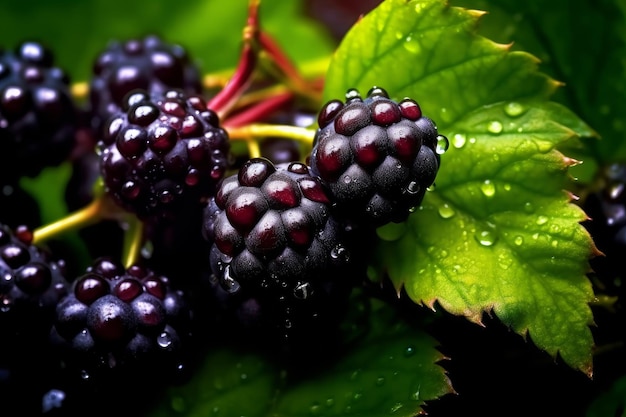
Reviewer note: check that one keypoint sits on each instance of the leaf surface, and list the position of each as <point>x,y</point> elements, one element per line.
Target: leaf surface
<point>498,232</point>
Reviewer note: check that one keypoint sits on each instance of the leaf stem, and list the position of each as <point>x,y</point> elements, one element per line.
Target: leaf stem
<point>86,216</point>
<point>133,241</point>
<point>242,77</point>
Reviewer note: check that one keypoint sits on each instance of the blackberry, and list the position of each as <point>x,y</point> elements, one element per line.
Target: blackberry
<point>378,156</point>
<point>148,63</point>
<point>32,284</point>
<point>163,152</point>
<point>282,260</point>
<point>37,113</point>
<point>119,321</point>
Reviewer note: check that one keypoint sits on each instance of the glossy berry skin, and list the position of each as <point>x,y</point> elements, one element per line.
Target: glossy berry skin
<point>116,318</point>
<point>378,156</point>
<point>146,63</point>
<point>32,283</point>
<point>163,152</point>
<point>37,114</point>
<point>277,249</point>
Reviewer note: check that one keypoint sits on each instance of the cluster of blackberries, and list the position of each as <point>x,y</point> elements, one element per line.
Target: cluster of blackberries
<point>270,248</point>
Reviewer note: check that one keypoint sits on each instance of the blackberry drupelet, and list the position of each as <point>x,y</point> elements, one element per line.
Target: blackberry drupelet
<point>148,64</point>
<point>278,254</point>
<point>120,320</point>
<point>163,153</point>
<point>37,113</point>
<point>376,155</point>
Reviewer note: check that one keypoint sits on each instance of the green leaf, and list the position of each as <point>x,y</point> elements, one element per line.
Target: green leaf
<point>561,33</point>
<point>210,30</point>
<point>610,403</point>
<point>498,233</point>
<point>392,370</point>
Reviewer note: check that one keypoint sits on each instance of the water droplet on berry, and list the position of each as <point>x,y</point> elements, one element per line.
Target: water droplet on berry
<point>302,291</point>
<point>5,305</point>
<point>340,253</point>
<point>164,340</point>
<point>494,127</point>
<point>514,109</point>
<point>488,188</point>
<point>229,283</point>
<point>442,144</point>
<point>353,94</point>
<point>413,188</point>
<point>445,211</point>
<point>486,237</point>
<point>459,140</point>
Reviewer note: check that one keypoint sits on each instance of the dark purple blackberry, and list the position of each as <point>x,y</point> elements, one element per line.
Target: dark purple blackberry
<point>279,255</point>
<point>37,113</point>
<point>32,283</point>
<point>376,155</point>
<point>118,319</point>
<point>163,152</point>
<point>149,64</point>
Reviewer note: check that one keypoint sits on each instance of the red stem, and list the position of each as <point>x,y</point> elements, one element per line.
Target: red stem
<point>258,110</point>
<point>239,81</point>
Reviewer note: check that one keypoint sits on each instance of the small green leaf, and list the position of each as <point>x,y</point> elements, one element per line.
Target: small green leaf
<point>611,402</point>
<point>498,232</point>
<point>392,370</point>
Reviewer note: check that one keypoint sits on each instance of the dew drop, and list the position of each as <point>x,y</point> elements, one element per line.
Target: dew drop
<point>380,381</point>
<point>442,144</point>
<point>315,409</point>
<point>412,45</point>
<point>488,188</point>
<point>514,109</point>
<point>340,253</point>
<point>413,188</point>
<point>229,283</point>
<point>330,402</point>
<point>486,237</point>
<point>445,211</point>
<point>554,243</point>
<point>409,351</point>
<point>459,140</point>
<point>494,127</point>
<point>542,220</point>
<point>164,340</point>
<point>519,240</point>
<point>528,207</point>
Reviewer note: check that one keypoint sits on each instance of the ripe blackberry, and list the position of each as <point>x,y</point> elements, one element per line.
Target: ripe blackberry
<point>162,152</point>
<point>122,320</point>
<point>32,283</point>
<point>278,250</point>
<point>376,155</point>
<point>37,113</point>
<point>149,64</point>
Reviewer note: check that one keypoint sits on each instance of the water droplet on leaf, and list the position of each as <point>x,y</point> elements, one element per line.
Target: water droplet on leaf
<point>494,127</point>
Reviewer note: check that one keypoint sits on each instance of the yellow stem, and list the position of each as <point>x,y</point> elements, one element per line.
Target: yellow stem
<point>88,215</point>
<point>261,130</point>
<point>253,132</point>
<point>133,241</point>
